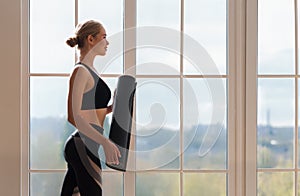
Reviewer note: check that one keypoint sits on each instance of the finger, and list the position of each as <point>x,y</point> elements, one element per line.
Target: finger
<point>110,159</point>
<point>119,153</point>
<point>113,162</point>
<point>116,158</point>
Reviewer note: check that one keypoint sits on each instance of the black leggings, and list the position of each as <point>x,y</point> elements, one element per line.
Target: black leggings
<point>80,173</point>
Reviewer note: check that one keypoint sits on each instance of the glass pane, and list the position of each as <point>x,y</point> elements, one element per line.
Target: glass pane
<point>195,184</point>
<point>112,183</point>
<point>154,61</point>
<point>48,34</point>
<point>46,184</point>
<point>298,143</point>
<point>276,115</point>
<point>157,123</point>
<point>298,184</point>
<point>159,13</point>
<point>48,122</point>
<point>110,14</point>
<point>298,127</point>
<point>275,184</point>
<point>158,184</point>
<point>205,22</point>
<point>158,48</point>
<point>204,124</point>
<point>276,37</point>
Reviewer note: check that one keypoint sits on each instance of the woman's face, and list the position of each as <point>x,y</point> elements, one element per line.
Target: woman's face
<point>100,43</point>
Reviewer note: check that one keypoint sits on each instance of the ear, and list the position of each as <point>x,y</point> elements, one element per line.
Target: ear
<point>90,39</point>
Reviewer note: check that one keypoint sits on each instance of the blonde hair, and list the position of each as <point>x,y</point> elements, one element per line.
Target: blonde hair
<point>83,30</point>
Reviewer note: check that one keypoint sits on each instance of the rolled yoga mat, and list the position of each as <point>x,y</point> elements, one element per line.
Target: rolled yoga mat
<point>120,129</point>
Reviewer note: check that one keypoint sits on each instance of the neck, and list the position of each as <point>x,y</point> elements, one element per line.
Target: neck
<point>87,58</point>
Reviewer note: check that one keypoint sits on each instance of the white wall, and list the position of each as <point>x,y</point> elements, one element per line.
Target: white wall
<point>10,53</point>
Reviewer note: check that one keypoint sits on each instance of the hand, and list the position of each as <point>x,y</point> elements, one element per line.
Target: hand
<point>109,109</point>
<point>112,153</point>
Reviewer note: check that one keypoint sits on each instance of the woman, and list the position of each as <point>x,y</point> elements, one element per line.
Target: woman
<point>87,107</point>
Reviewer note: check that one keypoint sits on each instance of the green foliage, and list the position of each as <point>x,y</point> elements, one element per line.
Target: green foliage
<point>265,158</point>
<point>209,184</point>
<point>275,184</point>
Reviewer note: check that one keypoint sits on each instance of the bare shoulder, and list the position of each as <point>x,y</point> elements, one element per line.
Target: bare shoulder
<point>79,68</point>
<point>79,71</point>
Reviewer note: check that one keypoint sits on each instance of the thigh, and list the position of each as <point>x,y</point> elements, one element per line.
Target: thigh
<point>69,183</point>
<point>88,186</point>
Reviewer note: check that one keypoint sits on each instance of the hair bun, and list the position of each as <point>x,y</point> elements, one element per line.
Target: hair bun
<point>73,41</point>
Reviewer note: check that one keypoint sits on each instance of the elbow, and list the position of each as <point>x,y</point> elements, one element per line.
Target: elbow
<point>71,120</point>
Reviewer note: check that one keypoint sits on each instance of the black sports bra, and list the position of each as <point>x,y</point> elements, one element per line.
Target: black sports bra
<point>98,96</point>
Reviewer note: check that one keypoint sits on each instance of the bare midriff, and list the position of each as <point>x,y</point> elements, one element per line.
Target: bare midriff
<point>96,116</point>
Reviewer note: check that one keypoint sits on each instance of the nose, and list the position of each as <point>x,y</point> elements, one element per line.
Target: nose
<point>107,42</point>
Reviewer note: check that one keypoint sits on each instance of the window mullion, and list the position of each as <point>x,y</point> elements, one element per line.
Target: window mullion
<point>296,99</point>
<point>236,97</point>
<point>76,22</point>
<point>181,95</point>
<point>251,96</point>
<point>25,98</point>
<point>129,68</point>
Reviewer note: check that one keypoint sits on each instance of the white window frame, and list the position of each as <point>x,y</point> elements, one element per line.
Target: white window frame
<point>238,122</point>
<point>25,98</point>
<point>251,96</point>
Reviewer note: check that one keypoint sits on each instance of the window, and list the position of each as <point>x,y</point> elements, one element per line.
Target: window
<point>183,139</point>
<point>277,99</point>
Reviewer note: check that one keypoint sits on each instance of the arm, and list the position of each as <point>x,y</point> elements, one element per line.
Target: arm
<point>78,81</point>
